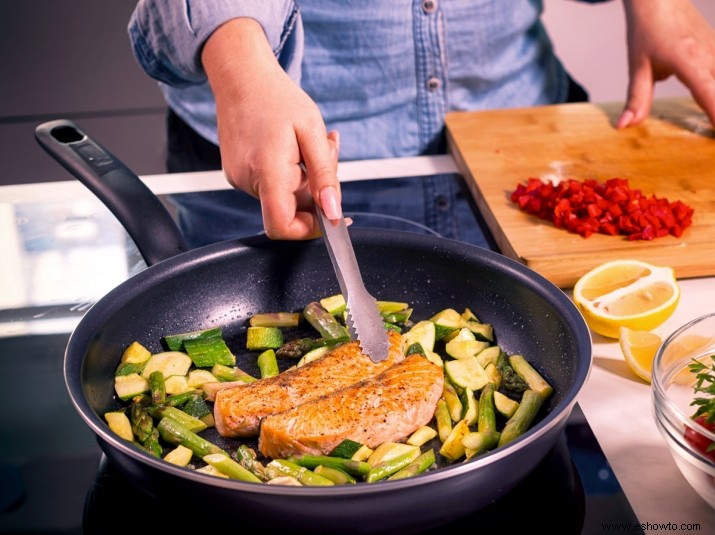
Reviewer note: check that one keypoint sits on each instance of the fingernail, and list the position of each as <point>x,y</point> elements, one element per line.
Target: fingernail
<point>625,119</point>
<point>330,203</point>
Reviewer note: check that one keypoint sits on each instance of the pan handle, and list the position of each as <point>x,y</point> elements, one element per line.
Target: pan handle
<point>137,208</point>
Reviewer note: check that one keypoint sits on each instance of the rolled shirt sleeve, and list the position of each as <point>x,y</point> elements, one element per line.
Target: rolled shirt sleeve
<point>167,35</point>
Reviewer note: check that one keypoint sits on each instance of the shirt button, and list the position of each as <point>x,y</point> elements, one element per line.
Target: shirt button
<point>429,6</point>
<point>433,83</point>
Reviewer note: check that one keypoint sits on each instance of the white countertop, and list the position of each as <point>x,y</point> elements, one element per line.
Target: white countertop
<point>616,403</point>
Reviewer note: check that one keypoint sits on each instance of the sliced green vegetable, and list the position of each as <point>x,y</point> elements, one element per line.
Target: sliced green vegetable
<point>533,378</point>
<point>301,473</point>
<point>505,405</point>
<point>391,465</point>
<point>231,373</point>
<point>207,351</point>
<point>452,448</point>
<point>356,468</point>
<point>420,465</point>
<point>231,468</point>
<point>523,417</point>
<point>119,423</point>
<point>168,363</point>
<point>135,353</point>
<point>469,406</point>
<point>421,436</point>
<point>180,456</point>
<point>157,387</point>
<point>324,322</point>
<point>176,384</point>
<point>267,364</point>
<point>466,373</point>
<point>175,342</point>
<point>334,304</point>
<point>313,354</point>
<point>464,345</point>
<point>127,368</point>
<point>275,319</point>
<point>175,433</point>
<point>444,420</point>
<point>454,404</point>
<point>191,423</point>
<point>128,386</point>
<point>422,332</point>
<point>337,476</point>
<point>262,338</point>
<point>446,322</point>
<point>346,449</point>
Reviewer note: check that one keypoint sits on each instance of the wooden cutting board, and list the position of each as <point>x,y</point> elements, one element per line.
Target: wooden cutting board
<point>671,155</point>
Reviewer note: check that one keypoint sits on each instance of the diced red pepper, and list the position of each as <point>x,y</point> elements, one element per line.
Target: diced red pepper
<point>612,208</point>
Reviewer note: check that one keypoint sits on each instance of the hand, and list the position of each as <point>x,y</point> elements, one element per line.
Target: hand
<point>667,37</point>
<point>268,126</point>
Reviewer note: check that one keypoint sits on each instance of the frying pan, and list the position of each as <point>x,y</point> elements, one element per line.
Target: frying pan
<point>223,284</point>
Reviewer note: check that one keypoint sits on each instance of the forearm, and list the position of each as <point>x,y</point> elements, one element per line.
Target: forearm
<point>235,56</point>
<point>167,36</point>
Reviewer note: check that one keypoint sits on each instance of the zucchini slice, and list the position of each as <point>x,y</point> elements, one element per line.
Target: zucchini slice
<point>467,373</point>
<point>168,363</point>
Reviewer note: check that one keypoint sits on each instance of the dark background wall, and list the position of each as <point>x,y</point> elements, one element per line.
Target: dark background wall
<point>72,59</point>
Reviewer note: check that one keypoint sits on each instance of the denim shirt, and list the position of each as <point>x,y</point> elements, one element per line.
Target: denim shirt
<point>383,73</point>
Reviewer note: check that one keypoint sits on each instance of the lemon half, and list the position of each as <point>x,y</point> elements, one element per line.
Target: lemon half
<point>626,293</point>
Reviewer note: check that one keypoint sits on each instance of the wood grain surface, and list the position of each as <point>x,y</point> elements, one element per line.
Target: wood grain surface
<point>671,155</point>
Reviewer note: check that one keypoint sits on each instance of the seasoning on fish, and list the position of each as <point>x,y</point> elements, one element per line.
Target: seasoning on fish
<point>386,407</point>
<point>238,410</point>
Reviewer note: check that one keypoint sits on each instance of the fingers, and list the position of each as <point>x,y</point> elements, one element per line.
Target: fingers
<point>321,164</point>
<point>640,97</point>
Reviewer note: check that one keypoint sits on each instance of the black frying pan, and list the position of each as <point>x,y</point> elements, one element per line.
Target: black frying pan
<point>225,283</point>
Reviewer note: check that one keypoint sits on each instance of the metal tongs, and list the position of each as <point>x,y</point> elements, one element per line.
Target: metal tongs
<point>363,317</point>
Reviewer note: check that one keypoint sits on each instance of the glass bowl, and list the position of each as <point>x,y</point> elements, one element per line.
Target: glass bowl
<point>673,391</point>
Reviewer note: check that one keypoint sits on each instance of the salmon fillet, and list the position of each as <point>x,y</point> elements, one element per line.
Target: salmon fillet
<point>238,410</point>
<point>387,407</point>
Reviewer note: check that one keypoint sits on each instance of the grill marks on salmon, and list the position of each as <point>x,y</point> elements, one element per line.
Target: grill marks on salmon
<point>387,407</point>
<point>238,410</point>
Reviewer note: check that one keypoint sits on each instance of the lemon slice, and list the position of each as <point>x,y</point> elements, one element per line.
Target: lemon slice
<point>638,349</point>
<point>626,293</point>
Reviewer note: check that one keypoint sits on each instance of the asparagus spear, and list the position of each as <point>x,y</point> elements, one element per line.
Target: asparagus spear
<point>357,468</point>
<point>487,435</point>
<point>267,364</point>
<point>336,475</point>
<point>324,322</point>
<point>157,388</point>
<point>141,421</point>
<point>387,468</point>
<point>526,412</point>
<point>511,381</point>
<point>175,433</point>
<point>247,458</point>
<point>191,423</point>
<point>444,419</point>
<point>300,346</point>
<point>282,467</point>
<point>534,379</point>
<point>419,465</point>
<point>231,373</point>
<point>231,468</point>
